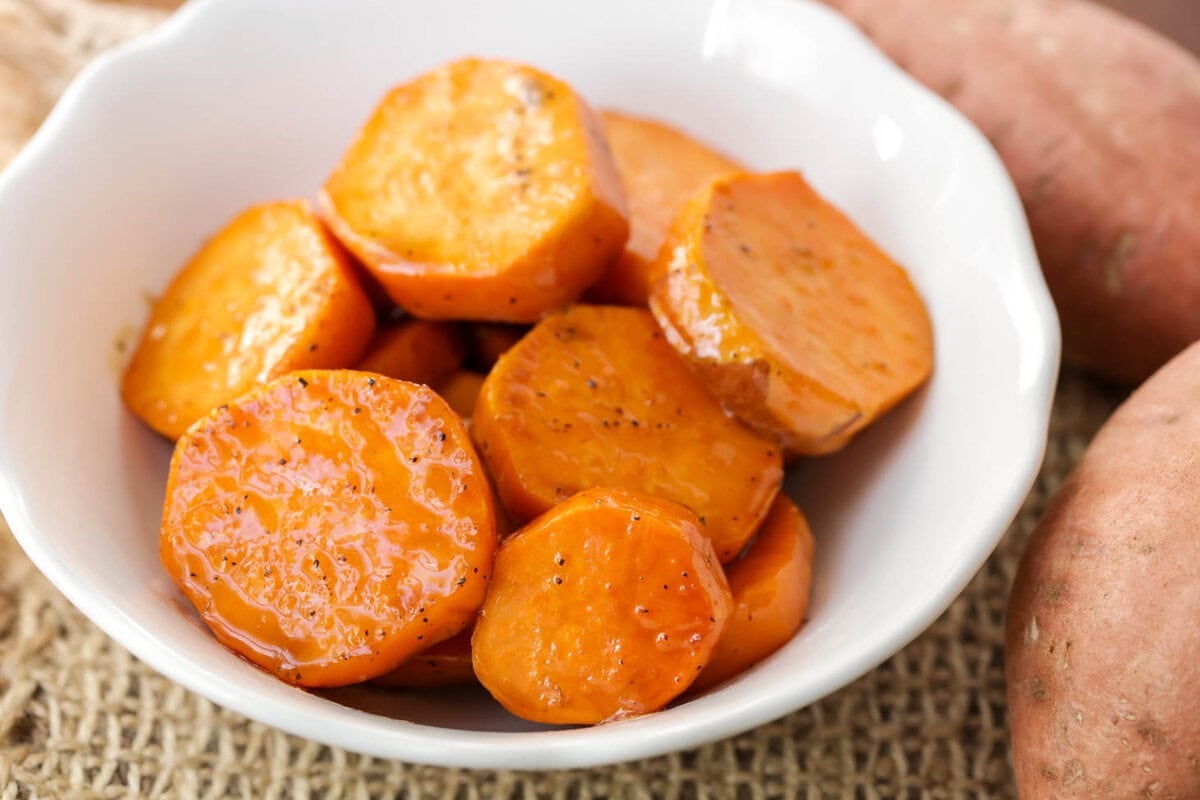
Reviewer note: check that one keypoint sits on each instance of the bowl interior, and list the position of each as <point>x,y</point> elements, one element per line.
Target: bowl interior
<point>234,103</point>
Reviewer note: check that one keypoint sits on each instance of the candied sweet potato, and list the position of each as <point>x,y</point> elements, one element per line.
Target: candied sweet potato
<point>447,663</point>
<point>660,168</point>
<point>607,606</point>
<point>483,190</point>
<point>594,396</point>
<point>268,294</point>
<point>487,341</point>
<point>416,350</point>
<point>770,586</point>
<point>461,391</point>
<point>791,316</point>
<point>330,524</point>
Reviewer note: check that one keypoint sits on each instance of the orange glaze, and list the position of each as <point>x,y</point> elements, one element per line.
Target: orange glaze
<point>330,524</point>
<point>483,190</point>
<point>660,168</point>
<point>796,321</point>
<point>416,350</point>
<point>487,341</point>
<point>595,396</point>
<point>447,663</point>
<point>271,292</point>
<point>461,391</point>
<point>770,585</point>
<point>609,605</point>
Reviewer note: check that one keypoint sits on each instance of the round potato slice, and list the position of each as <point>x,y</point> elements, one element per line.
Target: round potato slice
<point>270,293</point>
<point>447,663</point>
<point>660,168</point>
<point>483,190</point>
<point>793,318</point>
<point>415,350</point>
<point>770,586</point>
<point>606,607</point>
<point>330,524</point>
<point>594,396</point>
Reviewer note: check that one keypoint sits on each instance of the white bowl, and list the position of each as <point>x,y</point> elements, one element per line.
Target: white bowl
<point>236,101</point>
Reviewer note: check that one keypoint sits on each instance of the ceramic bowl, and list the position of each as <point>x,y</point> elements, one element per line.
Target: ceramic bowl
<point>236,101</point>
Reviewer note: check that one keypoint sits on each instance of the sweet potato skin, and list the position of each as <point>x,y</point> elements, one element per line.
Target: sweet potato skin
<point>269,293</point>
<point>1094,116</point>
<point>660,168</point>
<point>1102,647</point>
<point>605,607</point>
<point>329,524</point>
<point>483,190</point>
<point>794,319</point>
<point>594,396</point>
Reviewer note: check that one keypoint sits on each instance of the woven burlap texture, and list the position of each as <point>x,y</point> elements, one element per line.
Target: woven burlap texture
<point>80,717</point>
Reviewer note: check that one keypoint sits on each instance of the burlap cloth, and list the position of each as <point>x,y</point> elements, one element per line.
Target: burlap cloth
<point>80,717</point>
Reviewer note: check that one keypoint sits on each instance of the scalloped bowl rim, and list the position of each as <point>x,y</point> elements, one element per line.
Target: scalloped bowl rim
<point>636,738</point>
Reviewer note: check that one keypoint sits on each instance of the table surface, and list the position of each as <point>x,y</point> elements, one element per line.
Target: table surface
<point>80,717</point>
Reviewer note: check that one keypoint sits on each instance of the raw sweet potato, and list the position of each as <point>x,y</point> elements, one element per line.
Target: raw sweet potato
<point>1098,121</point>
<point>415,350</point>
<point>268,294</point>
<point>330,524</point>
<point>607,606</point>
<point>447,663</point>
<point>594,396</point>
<point>770,586</point>
<point>461,391</point>
<point>790,315</point>
<point>1102,650</point>
<point>660,168</point>
<point>483,190</point>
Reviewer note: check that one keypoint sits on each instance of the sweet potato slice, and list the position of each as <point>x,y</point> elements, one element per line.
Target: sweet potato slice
<point>770,586</point>
<point>607,606</point>
<point>461,391</point>
<point>483,190</point>
<point>660,168</point>
<point>330,524</point>
<point>594,396</point>
<point>270,293</point>
<point>415,350</point>
<point>793,318</point>
<point>487,341</point>
<point>447,663</point>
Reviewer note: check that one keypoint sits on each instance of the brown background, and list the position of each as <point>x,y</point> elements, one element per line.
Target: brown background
<point>79,717</point>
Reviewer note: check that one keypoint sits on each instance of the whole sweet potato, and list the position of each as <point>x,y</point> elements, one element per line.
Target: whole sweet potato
<point>1103,637</point>
<point>1098,120</point>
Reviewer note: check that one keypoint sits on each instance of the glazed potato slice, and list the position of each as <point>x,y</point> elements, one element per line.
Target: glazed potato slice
<point>483,190</point>
<point>329,525</point>
<point>447,663</point>
<point>594,396</point>
<point>607,606</point>
<point>770,586</point>
<point>461,391</point>
<point>270,293</point>
<point>791,316</point>
<point>415,350</point>
<point>487,341</point>
<point>661,168</point>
